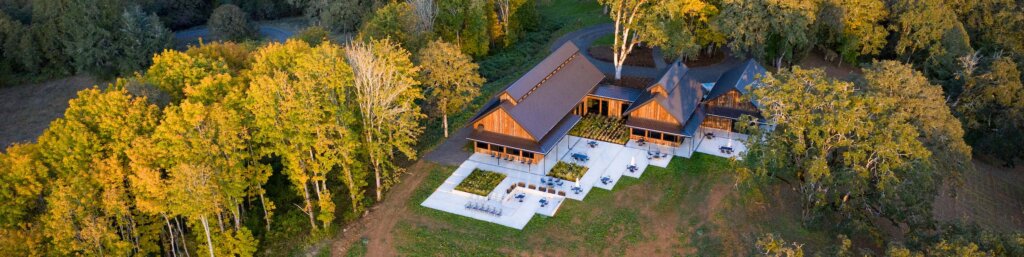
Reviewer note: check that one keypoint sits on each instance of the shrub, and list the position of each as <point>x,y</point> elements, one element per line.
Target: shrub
<point>567,171</point>
<point>313,35</point>
<point>228,22</point>
<point>480,182</point>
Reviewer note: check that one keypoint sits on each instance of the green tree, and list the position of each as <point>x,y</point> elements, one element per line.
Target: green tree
<point>297,95</point>
<point>770,29</point>
<point>344,15</point>
<point>852,154</point>
<point>992,109</point>
<point>313,35</point>
<point>386,92</point>
<point>464,22</point>
<point>854,27</point>
<point>228,22</point>
<point>451,78</point>
<point>139,37</point>
<point>920,24</point>
<point>682,27</point>
<point>393,21</point>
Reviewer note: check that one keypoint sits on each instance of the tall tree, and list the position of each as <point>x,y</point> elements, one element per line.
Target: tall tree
<point>682,27</point>
<point>854,27</point>
<point>451,78</point>
<point>779,30</point>
<point>627,15</point>
<point>920,24</point>
<point>386,92</point>
<point>852,154</point>
<point>464,23</point>
<point>297,95</point>
<point>86,151</point>
<point>138,38</point>
<point>992,109</point>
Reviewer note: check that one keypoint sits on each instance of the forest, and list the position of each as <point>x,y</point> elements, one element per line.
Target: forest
<point>237,145</point>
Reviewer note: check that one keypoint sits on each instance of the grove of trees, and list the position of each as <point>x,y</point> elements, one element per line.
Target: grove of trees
<point>123,172</point>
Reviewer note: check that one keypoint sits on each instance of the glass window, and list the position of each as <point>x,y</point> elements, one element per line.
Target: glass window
<point>481,145</point>
<point>638,132</point>
<point>498,148</point>
<point>671,138</point>
<point>528,155</point>
<point>654,135</point>
<point>513,151</point>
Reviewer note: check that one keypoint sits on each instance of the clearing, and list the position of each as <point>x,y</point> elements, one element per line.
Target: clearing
<point>26,110</point>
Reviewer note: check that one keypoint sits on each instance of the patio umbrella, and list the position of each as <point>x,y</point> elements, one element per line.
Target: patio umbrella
<point>632,161</point>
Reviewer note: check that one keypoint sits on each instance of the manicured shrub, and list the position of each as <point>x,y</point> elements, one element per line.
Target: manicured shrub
<point>480,182</point>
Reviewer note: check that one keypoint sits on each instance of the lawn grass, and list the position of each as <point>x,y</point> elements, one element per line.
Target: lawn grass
<point>690,208</point>
<point>606,40</point>
<point>480,182</point>
<point>568,171</point>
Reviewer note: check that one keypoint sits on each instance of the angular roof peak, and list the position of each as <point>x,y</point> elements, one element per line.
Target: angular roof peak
<point>738,78</point>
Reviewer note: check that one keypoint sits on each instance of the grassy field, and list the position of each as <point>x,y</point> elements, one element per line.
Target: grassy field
<point>690,208</point>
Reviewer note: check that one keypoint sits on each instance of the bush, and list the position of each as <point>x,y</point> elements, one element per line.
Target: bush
<point>567,171</point>
<point>480,182</point>
<point>228,22</point>
<point>312,35</point>
<point>597,127</point>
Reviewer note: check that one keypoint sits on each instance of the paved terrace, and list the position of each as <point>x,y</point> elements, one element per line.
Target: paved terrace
<point>606,160</point>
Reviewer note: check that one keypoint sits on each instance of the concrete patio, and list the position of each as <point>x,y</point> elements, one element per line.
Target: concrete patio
<point>606,160</point>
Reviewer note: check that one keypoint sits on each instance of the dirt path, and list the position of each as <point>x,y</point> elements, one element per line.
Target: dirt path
<point>377,225</point>
<point>26,110</point>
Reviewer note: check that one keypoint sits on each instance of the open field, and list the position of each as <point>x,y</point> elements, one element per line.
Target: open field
<point>26,110</point>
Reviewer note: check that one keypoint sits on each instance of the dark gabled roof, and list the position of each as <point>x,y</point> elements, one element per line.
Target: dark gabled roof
<point>672,76</point>
<point>543,147</point>
<point>738,78</point>
<point>549,91</point>
<point>684,94</point>
<point>616,92</point>
<point>536,75</point>
<point>694,123</point>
